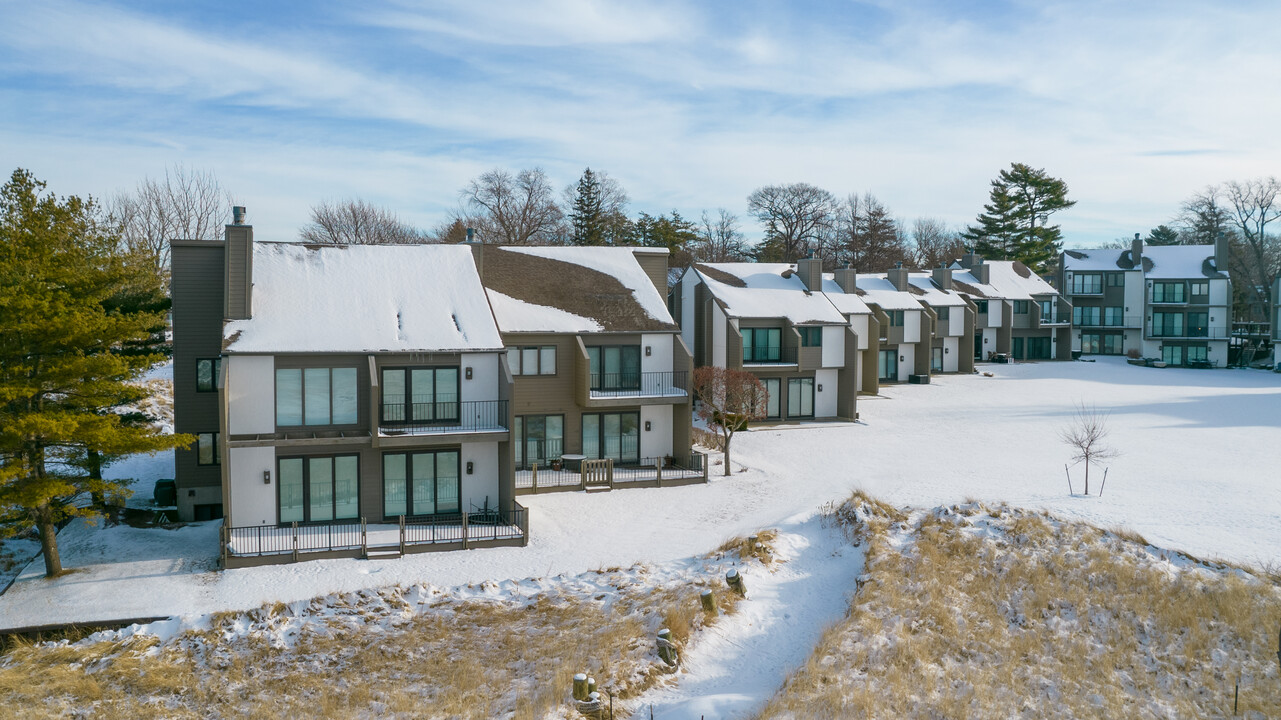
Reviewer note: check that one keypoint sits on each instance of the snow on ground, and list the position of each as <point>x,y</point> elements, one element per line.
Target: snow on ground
<point>1201,450</point>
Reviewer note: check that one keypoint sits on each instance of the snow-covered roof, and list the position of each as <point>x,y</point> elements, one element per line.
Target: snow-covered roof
<point>1159,261</point>
<point>932,294</point>
<point>766,290</point>
<point>364,298</point>
<point>1015,281</point>
<point>573,290</point>
<point>846,303</point>
<point>877,290</point>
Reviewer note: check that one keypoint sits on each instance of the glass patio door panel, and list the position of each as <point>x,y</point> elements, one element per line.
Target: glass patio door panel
<point>1172,354</point>
<point>446,393</point>
<point>612,436</point>
<point>591,436</point>
<point>320,487</point>
<point>888,365</point>
<point>800,397</point>
<point>422,381</point>
<point>346,487</point>
<point>772,391</point>
<point>936,359</point>
<point>394,395</point>
<point>629,435</point>
<point>395,488</point>
<point>447,485</point>
<point>291,490</point>
<point>423,483</point>
<point>316,394</point>
<point>1090,343</point>
<point>1019,352</point>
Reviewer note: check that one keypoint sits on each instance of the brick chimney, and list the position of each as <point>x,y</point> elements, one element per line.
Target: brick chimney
<point>898,277</point>
<point>811,271</point>
<point>1222,252</point>
<point>1136,252</point>
<point>943,277</point>
<point>982,271</point>
<point>238,270</point>
<point>847,279</point>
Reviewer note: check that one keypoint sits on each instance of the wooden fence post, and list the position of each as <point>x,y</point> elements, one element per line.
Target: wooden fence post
<point>402,534</point>
<point>658,469</point>
<point>534,469</point>
<point>609,472</point>
<point>294,525</point>
<point>709,602</point>
<point>735,581</point>
<point>364,537</point>
<point>464,531</point>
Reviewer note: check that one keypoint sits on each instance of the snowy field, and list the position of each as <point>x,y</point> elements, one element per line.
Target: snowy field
<point>1198,473</point>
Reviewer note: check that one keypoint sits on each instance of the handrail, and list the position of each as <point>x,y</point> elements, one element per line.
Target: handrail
<point>447,417</point>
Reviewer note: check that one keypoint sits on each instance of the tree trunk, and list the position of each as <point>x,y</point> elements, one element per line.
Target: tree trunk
<point>727,439</point>
<point>95,473</point>
<point>49,546</point>
<point>1087,477</point>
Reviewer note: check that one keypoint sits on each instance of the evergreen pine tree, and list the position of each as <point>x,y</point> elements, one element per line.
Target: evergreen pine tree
<point>586,217</point>
<point>78,324</point>
<point>1162,235</point>
<point>1014,224</point>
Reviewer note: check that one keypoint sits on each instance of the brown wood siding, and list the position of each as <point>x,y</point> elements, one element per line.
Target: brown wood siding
<point>197,290</point>
<point>655,266</point>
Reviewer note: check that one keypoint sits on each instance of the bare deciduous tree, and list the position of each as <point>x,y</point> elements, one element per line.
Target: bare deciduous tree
<point>183,205</point>
<point>933,245</point>
<point>515,209</point>
<point>795,218</point>
<point>728,399</point>
<point>1257,259</point>
<point>719,238</point>
<point>1087,435</point>
<point>356,222</point>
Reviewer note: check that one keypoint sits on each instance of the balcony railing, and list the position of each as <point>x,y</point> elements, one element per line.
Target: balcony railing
<point>1194,333</point>
<point>770,355</point>
<point>298,542</point>
<point>1128,321</point>
<point>471,416</point>
<point>640,384</point>
<point>644,472</point>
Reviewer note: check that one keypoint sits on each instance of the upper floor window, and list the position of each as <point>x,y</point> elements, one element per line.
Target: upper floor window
<point>1086,283</point>
<point>207,374</point>
<point>896,317</point>
<point>762,344</point>
<point>811,336</point>
<point>1021,307</point>
<point>1047,311</point>
<point>207,450</point>
<point>614,367</point>
<point>537,360</point>
<point>981,305</point>
<point>944,313</point>
<point>1085,315</point>
<point>1199,288</point>
<point>1116,279</point>
<point>315,396</point>
<point>1167,324</point>
<point>1168,292</point>
<point>1114,316</point>
<point>420,394</point>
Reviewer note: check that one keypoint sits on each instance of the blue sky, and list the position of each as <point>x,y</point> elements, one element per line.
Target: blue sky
<point>689,105</point>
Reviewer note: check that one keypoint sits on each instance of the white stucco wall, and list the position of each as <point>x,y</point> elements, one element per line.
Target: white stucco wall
<point>833,346</point>
<point>718,336</point>
<point>251,394</point>
<point>657,441</point>
<point>253,502</point>
<point>484,376</point>
<point>1219,296</point>
<point>659,358</point>
<point>907,361</point>
<point>1134,294</point>
<point>994,309</point>
<point>989,342</point>
<point>956,321</point>
<point>912,325</point>
<point>825,399</point>
<point>859,323</point>
<point>858,373</point>
<point>951,354</point>
<point>484,478</point>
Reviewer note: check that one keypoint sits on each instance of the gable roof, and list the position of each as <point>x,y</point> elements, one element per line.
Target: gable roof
<point>932,294</point>
<point>364,298</point>
<point>572,290</point>
<point>1015,281</point>
<point>767,290</point>
<point>1159,261</point>
<point>845,303</point>
<point>878,290</point>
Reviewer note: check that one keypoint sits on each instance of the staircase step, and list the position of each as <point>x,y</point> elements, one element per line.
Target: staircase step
<point>383,554</point>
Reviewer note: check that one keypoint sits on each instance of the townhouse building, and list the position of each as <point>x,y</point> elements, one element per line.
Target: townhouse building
<point>774,320</point>
<point>906,327</point>
<point>1171,302</point>
<point>599,365</point>
<point>1017,313</point>
<point>952,318</point>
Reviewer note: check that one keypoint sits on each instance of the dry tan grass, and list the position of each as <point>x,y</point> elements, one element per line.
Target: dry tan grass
<point>763,550</point>
<point>1039,618</point>
<point>373,656</point>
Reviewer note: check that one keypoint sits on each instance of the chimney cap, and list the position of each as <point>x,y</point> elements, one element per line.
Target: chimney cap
<point>1136,236</point>
<point>238,215</point>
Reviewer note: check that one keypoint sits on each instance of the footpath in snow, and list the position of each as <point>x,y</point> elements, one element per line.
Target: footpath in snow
<point>1197,473</point>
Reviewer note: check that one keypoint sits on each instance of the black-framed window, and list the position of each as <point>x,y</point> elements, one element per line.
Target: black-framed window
<point>1199,288</point>
<point>1167,324</point>
<point>1085,283</point>
<point>614,367</point>
<point>887,365</point>
<point>762,344</point>
<point>612,435</point>
<point>539,439</point>
<point>532,360</point>
<point>1197,353</point>
<point>1021,307</point>
<point>424,483</point>
<point>1038,348</point>
<point>1173,354</point>
<point>207,374</point>
<point>811,336</point>
<point>1116,279</point>
<point>936,359</point>
<point>1087,316</point>
<point>318,488</point>
<point>1198,324</point>
<point>1112,344</point>
<point>1168,292</point>
<point>1047,310</point>
<point>800,397</point>
<point>420,395</point>
<point>1114,316</point>
<point>981,306</point>
<point>896,317</point>
<point>208,451</point>
<point>315,396</point>
<point>1091,343</point>
<point>944,314</point>
<point>773,391</point>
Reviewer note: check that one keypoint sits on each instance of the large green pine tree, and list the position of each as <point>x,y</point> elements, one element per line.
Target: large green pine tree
<point>1014,224</point>
<point>78,321</point>
<point>587,216</point>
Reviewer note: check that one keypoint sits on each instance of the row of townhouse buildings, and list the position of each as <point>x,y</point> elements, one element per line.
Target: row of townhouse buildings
<point>355,401</point>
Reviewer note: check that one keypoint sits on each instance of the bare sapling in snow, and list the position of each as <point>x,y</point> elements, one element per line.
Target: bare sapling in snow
<point>729,399</point>
<point>1087,436</point>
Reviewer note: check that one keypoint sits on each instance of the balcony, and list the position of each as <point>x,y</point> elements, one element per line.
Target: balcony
<point>1129,321</point>
<point>769,355</point>
<point>647,472</point>
<point>639,385</point>
<point>1187,333</point>
<point>443,418</point>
